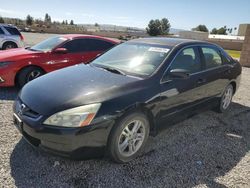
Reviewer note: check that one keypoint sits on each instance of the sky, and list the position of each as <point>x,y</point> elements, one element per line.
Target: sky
<point>182,14</point>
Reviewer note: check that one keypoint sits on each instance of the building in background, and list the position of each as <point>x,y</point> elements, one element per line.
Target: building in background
<point>196,35</point>
<point>245,53</point>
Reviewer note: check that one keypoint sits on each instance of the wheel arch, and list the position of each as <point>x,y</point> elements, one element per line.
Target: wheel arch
<point>27,66</point>
<point>234,84</point>
<point>141,107</point>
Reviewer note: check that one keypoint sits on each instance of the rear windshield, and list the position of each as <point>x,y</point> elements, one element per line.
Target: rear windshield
<point>12,30</point>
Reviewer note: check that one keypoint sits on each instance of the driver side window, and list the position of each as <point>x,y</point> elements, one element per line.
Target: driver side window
<point>187,60</point>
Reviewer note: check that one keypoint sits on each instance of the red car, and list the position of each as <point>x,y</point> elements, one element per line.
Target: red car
<point>19,66</point>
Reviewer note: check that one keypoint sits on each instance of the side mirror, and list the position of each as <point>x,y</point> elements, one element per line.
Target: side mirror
<point>61,51</point>
<point>179,73</point>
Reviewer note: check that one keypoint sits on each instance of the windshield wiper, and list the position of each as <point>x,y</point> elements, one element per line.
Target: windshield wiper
<point>113,70</point>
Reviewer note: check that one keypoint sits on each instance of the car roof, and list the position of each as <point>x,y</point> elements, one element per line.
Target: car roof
<point>7,25</point>
<point>169,42</point>
<point>73,36</point>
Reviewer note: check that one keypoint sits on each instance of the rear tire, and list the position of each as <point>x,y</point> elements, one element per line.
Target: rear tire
<point>128,137</point>
<point>226,99</point>
<point>28,74</point>
<point>9,45</point>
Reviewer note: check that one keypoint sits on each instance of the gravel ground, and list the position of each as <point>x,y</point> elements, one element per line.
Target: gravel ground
<point>208,150</point>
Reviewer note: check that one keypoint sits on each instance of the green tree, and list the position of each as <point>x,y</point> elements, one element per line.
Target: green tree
<point>1,19</point>
<point>29,20</point>
<point>165,26</point>
<point>214,31</point>
<point>96,25</point>
<point>158,27</point>
<point>222,31</point>
<point>71,22</point>
<point>201,28</point>
<point>66,22</point>
<point>47,18</point>
<point>154,27</point>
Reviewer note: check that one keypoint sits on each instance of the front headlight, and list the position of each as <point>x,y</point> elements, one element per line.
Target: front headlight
<point>5,64</point>
<point>75,117</point>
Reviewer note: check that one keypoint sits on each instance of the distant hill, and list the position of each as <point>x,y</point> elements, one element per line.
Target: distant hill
<point>125,28</point>
<point>175,31</point>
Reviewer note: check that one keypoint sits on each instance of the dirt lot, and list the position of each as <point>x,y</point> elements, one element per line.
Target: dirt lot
<point>208,150</point>
<point>31,39</point>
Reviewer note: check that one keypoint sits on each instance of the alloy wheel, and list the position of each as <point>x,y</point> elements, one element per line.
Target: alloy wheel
<point>131,138</point>
<point>9,46</point>
<point>34,74</point>
<point>227,97</point>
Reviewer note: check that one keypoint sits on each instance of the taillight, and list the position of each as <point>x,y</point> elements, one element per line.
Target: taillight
<point>21,37</point>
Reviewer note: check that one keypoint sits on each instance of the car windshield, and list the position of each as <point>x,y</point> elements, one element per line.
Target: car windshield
<point>133,58</point>
<point>48,44</point>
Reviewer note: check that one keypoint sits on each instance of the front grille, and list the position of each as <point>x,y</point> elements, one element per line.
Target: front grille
<point>31,113</point>
<point>24,110</point>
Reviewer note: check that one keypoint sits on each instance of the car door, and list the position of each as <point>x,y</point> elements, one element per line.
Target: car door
<point>216,72</point>
<point>180,93</point>
<point>81,50</point>
<point>76,53</point>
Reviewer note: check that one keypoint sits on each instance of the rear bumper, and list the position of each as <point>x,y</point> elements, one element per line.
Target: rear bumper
<point>75,143</point>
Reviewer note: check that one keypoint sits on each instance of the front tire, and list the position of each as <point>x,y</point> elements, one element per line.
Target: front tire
<point>128,138</point>
<point>226,99</point>
<point>28,74</point>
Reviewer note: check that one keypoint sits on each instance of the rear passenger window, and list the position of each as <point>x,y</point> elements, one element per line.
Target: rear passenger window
<point>212,57</point>
<point>12,30</point>
<point>75,46</point>
<point>98,45</point>
<point>1,31</point>
<point>187,59</point>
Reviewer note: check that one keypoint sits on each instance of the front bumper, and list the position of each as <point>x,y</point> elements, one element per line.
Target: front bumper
<point>1,80</point>
<point>76,143</point>
<point>7,77</point>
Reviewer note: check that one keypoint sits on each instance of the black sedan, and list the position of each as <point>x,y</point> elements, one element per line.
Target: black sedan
<point>132,91</point>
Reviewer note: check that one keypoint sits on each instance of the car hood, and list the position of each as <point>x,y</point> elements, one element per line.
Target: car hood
<point>18,54</point>
<point>74,86</point>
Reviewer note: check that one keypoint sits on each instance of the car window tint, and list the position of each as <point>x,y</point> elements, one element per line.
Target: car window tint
<point>187,59</point>
<point>12,30</point>
<point>75,46</point>
<point>1,31</point>
<point>212,57</point>
<point>98,45</point>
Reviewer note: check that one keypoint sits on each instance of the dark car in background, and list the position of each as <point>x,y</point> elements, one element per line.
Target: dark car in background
<point>123,96</point>
<point>19,66</point>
